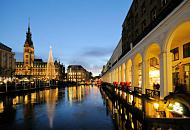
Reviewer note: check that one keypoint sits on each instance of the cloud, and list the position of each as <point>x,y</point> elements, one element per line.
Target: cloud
<point>97,52</point>
<point>92,65</point>
<point>91,58</point>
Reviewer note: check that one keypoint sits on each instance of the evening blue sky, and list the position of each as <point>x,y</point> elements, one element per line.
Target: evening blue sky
<point>80,31</point>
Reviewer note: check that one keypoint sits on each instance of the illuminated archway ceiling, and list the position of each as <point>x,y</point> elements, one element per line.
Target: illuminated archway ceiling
<point>153,50</point>
<point>181,35</point>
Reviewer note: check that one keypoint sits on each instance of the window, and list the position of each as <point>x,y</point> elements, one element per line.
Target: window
<point>175,54</point>
<point>153,14</point>
<point>186,50</point>
<point>26,61</point>
<point>163,2</point>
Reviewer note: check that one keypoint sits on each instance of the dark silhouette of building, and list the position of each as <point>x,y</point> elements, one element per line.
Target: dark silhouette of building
<point>7,62</point>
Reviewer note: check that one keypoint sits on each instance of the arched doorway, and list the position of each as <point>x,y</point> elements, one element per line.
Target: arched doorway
<point>138,70</point>
<point>153,62</point>
<point>178,48</point>
<point>129,72</point>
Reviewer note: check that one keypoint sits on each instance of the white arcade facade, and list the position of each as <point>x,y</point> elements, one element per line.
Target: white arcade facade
<point>160,61</point>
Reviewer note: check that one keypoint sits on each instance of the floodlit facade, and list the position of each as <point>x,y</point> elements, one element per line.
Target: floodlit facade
<point>155,58</point>
<point>33,68</point>
<point>77,73</point>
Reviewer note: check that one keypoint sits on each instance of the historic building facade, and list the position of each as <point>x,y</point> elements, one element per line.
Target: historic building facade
<point>77,73</point>
<point>155,58</point>
<point>7,63</point>
<point>32,68</point>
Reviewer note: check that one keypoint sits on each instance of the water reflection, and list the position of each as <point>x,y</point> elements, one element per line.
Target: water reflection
<point>121,115</point>
<point>76,93</point>
<point>51,97</point>
<point>56,109</point>
<point>1,107</point>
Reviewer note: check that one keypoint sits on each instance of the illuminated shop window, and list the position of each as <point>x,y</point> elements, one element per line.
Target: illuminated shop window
<point>154,73</point>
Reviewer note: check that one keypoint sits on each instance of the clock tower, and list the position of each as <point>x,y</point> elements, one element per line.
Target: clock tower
<point>28,56</point>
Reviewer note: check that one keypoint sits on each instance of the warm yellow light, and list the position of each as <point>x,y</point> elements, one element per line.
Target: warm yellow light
<point>125,116</point>
<point>14,101</point>
<point>1,107</point>
<point>26,99</point>
<point>154,73</point>
<point>178,108</point>
<point>156,106</point>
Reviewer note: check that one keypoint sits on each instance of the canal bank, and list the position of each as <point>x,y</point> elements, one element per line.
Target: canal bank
<point>126,111</point>
<point>13,88</point>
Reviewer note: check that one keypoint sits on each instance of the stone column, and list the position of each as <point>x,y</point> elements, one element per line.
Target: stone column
<point>145,75</point>
<point>132,76</point>
<point>120,75</point>
<point>165,74</point>
<point>126,72</point>
<point>123,72</point>
<point>117,73</point>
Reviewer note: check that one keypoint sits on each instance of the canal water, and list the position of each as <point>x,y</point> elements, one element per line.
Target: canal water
<point>70,108</point>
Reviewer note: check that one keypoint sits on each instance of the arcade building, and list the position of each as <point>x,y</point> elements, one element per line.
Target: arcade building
<point>152,58</point>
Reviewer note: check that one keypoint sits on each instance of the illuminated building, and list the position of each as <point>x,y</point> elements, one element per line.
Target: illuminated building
<point>7,63</point>
<point>77,73</point>
<point>153,54</point>
<point>33,68</point>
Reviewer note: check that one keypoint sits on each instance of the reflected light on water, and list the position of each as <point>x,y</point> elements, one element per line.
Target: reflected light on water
<point>51,97</point>
<point>76,93</point>
<point>1,107</point>
<point>26,99</point>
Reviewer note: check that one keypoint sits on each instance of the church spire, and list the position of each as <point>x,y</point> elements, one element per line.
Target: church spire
<point>29,36</point>
<point>29,24</point>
